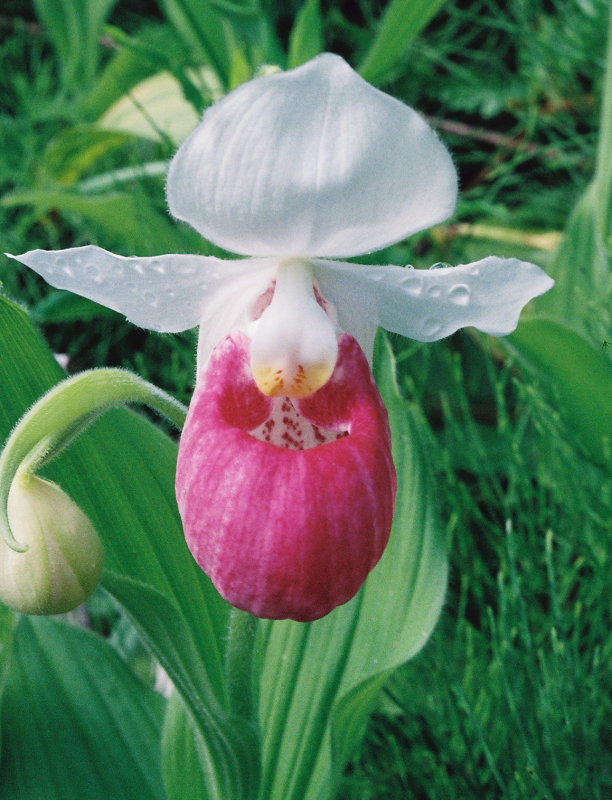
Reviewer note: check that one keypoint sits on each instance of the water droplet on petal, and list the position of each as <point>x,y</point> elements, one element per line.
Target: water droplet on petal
<point>150,299</point>
<point>474,270</point>
<point>61,265</point>
<point>440,265</point>
<point>412,285</point>
<point>460,294</point>
<point>431,327</point>
<point>157,266</point>
<point>93,273</point>
<point>409,266</point>
<point>434,291</point>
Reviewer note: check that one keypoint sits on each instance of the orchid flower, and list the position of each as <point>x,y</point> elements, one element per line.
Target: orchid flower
<point>285,481</point>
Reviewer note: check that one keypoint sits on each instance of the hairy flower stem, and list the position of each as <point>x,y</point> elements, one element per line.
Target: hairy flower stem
<point>58,417</point>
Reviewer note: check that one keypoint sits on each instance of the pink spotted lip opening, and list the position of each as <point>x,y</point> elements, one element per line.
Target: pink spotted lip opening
<point>286,427</point>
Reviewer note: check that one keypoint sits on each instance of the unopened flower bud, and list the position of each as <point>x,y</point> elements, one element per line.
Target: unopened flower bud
<point>64,560</point>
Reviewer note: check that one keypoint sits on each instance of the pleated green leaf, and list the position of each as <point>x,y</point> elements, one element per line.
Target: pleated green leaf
<point>75,28</point>
<point>577,375</point>
<point>201,26</point>
<point>581,266</point>
<point>8,621</point>
<point>306,40</point>
<point>603,170</point>
<point>402,22</point>
<point>227,745</point>
<point>77,722</point>
<point>320,680</point>
<point>121,472</point>
<point>63,306</point>
<point>181,764</point>
<point>126,219</point>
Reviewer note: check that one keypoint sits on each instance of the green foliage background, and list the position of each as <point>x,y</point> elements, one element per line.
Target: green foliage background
<point>509,699</point>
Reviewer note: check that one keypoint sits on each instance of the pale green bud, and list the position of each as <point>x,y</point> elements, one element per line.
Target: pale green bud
<point>64,559</point>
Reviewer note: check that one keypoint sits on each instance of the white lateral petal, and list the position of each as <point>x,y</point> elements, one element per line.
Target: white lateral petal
<point>311,162</point>
<point>430,304</point>
<point>164,293</point>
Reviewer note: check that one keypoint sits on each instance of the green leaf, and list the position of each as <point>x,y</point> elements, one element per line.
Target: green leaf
<point>200,26</point>
<point>306,40</point>
<point>77,722</point>
<point>157,107</point>
<point>8,622</point>
<point>63,306</point>
<point>73,152</point>
<point>153,48</point>
<point>581,267</point>
<point>181,764</point>
<point>603,170</point>
<point>227,744</point>
<point>578,376</point>
<point>75,27</point>
<point>402,22</point>
<point>121,472</point>
<point>320,680</point>
<point>127,219</point>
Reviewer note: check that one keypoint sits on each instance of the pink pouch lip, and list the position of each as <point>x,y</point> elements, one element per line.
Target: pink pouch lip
<point>283,532</point>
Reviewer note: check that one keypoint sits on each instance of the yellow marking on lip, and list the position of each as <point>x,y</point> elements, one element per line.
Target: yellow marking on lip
<point>304,382</point>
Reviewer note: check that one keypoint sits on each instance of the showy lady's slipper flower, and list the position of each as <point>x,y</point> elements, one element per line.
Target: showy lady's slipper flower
<point>285,481</point>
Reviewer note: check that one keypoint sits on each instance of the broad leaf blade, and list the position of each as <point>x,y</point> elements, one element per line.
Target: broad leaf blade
<point>603,171</point>
<point>319,680</point>
<point>581,267</point>
<point>227,744</point>
<point>577,374</point>
<point>402,22</point>
<point>128,220</point>
<point>157,107</point>
<point>200,26</point>
<point>121,472</point>
<point>75,27</point>
<point>8,621</point>
<point>306,40</point>
<point>91,728</point>
<point>181,764</point>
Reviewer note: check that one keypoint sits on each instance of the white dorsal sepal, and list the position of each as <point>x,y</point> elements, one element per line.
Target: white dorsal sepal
<point>294,345</point>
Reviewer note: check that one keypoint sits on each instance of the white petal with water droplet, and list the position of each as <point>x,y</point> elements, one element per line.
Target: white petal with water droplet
<point>311,162</point>
<point>429,304</point>
<point>164,293</point>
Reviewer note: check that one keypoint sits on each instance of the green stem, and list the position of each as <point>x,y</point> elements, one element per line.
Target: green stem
<point>62,414</point>
<point>239,663</point>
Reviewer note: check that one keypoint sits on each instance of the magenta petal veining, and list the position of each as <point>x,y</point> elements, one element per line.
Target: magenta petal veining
<point>285,532</point>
